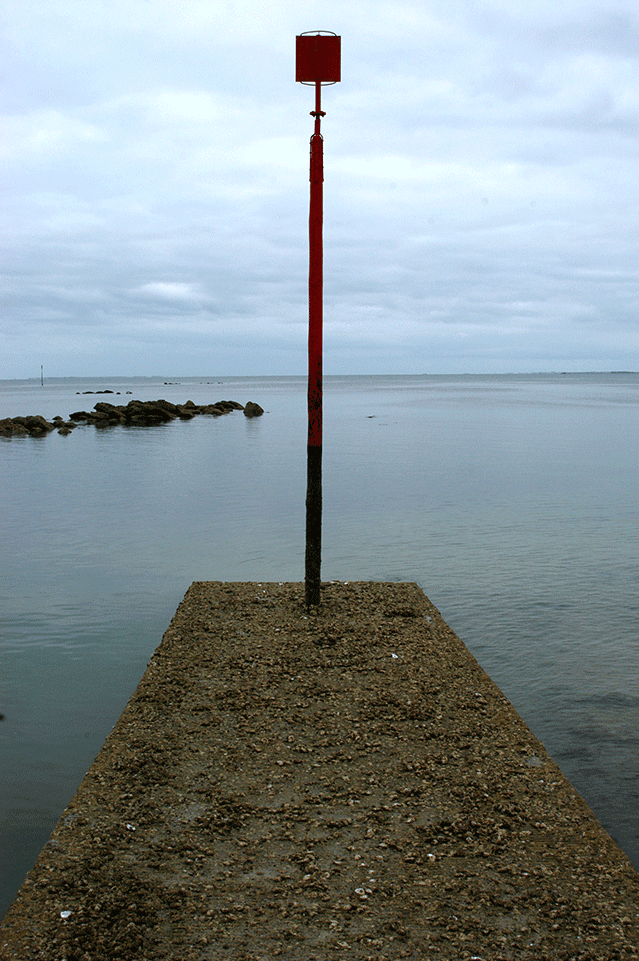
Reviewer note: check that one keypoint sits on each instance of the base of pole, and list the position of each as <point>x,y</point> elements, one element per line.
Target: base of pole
<point>313,525</point>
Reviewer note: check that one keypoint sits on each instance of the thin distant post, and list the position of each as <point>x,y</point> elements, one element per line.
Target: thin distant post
<point>317,63</point>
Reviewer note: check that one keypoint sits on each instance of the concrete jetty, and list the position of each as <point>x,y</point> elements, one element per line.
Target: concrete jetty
<point>341,784</point>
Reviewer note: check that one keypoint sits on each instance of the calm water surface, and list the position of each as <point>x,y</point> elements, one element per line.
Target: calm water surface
<point>512,501</point>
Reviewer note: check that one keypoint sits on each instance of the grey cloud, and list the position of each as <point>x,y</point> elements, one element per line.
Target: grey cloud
<point>479,186</point>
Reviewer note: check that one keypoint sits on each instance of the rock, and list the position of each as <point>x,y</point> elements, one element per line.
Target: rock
<point>167,405</point>
<point>149,411</point>
<point>8,428</point>
<point>220,407</point>
<point>35,425</point>
<point>184,412</point>
<point>136,412</point>
<point>114,415</point>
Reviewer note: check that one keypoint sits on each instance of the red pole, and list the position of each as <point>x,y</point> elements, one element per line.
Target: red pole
<point>315,298</point>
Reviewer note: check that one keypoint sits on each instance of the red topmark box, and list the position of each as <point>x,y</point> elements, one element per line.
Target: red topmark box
<point>318,58</point>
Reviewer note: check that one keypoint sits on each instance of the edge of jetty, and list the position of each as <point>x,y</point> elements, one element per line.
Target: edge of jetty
<point>341,784</point>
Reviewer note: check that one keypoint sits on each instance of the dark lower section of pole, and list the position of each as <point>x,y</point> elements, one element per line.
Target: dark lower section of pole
<point>313,525</point>
<point>314,444</point>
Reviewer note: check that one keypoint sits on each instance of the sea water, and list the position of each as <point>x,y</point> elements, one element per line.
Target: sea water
<point>511,500</point>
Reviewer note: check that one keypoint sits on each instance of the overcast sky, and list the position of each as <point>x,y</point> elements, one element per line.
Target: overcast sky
<point>480,192</point>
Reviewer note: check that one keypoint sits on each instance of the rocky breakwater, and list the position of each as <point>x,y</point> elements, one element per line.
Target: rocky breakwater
<point>139,413</point>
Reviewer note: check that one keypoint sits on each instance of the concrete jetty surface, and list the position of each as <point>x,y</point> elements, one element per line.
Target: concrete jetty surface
<point>344,784</point>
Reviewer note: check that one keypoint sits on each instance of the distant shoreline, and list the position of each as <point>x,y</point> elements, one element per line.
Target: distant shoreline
<point>220,379</point>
